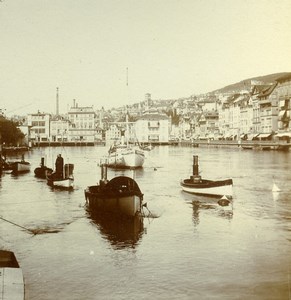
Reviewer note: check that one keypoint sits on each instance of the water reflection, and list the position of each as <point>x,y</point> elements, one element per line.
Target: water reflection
<point>121,232</point>
<point>214,206</point>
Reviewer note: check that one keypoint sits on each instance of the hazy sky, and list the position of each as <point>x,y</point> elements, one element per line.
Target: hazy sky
<point>171,48</point>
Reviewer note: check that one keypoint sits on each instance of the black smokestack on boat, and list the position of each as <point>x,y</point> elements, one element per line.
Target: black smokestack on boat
<point>195,177</point>
<point>195,165</point>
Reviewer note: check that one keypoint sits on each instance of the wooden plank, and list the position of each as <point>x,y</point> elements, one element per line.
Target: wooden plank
<point>11,284</point>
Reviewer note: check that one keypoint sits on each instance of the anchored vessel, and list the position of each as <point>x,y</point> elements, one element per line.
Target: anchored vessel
<point>63,175</point>
<point>42,170</point>
<point>16,167</point>
<point>125,156</point>
<point>11,277</point>
<point>196,185</point>
<point>120,195</point>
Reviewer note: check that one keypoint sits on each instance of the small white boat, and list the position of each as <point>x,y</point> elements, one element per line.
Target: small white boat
<point>196,185</point>
<point>11,277</point>
<point>121,195</point>
<point>17,167</point>
<point>63,176</point>
<point>66,183</point>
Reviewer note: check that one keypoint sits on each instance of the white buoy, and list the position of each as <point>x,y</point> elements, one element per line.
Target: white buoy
<point>275,188</point>
<point>223,201</point>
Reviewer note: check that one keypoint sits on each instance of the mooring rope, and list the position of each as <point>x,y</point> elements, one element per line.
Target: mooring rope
<point>29,230</point>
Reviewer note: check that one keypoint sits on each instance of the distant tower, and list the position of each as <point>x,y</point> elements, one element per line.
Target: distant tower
<point>57,102</point>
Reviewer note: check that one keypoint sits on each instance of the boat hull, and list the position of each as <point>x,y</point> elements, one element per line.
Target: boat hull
<point>67,183</point>
<point>118,204</point>
<point>42,172</point>
<point>126,158</point>
<point>121,195</point>
<point>20,167</point>
<point>208,187</point>
<point>11,277</point>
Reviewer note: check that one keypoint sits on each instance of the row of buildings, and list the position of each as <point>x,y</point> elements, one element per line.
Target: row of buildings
<point>262,112</point>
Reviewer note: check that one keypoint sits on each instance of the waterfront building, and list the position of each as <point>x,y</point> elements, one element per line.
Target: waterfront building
<point>224,117</point>
<point>246,116</point>
<point>268,112</point>
<point>185,127</point>
<point>234,116</point>
<point>113,133</point>
<point>82,120</point>
<point>256,89</point>
<point>284,106</point>
<point>153,127</point>
<point>59,129</point>
<point>208,125</point>
<point>39,127</point>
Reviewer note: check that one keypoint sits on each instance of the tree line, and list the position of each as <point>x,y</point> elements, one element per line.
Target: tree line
<point>9,133</point>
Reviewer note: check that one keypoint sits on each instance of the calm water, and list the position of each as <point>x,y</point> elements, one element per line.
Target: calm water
<point>195,249</point>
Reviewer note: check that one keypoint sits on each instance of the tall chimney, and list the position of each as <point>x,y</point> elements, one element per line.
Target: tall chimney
<point>57,102</point>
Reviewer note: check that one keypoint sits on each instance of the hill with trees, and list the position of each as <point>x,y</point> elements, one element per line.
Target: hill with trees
<point>246,84</point>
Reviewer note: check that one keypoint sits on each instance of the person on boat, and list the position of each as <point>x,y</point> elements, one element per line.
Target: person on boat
<point>59,166</point>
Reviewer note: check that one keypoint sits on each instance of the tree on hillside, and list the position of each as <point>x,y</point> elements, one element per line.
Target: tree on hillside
<point>10,134</point>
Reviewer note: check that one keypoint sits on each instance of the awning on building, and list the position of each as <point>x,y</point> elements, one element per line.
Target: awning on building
<point>252,136</point>
<point>264,135</point>
<point>283,134</point>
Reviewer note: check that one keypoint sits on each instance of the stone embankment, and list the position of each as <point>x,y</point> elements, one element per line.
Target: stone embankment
<point>256,145</point>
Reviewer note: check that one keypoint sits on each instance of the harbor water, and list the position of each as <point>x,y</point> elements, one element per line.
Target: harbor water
<point>190,247</point>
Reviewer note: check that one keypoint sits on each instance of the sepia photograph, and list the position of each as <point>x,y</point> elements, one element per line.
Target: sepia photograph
<point>145,149</point>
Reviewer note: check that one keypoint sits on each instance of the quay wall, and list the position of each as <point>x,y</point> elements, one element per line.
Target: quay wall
<point>261,145</point>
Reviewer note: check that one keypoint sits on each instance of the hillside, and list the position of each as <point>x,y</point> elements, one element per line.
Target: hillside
<point>245,84</point>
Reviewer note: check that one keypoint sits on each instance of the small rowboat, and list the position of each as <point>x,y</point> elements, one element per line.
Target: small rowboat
<point>11,277</point>
<point>17,167</point>
<point>196,185</point>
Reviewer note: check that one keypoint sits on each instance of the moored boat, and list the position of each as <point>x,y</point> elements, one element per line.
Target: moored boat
<point>63,175</point>
<point>17,167</point>
<point>42,170</point>
<point>120,195</point>
<point>125,156</point>
<point>11,277</point>
<point>196,185</point>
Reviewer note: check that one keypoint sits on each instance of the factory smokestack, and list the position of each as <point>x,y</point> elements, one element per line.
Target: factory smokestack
<point>57,102</point>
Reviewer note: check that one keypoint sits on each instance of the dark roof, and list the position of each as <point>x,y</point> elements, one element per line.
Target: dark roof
<point>267,91</point>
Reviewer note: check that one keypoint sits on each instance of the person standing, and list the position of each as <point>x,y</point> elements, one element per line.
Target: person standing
<point>59,166</point>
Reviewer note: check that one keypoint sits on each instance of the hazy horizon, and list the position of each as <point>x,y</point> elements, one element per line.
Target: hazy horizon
<point>172,49</point>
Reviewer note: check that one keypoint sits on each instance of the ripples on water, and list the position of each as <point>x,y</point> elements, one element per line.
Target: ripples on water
<point>195,249</point>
